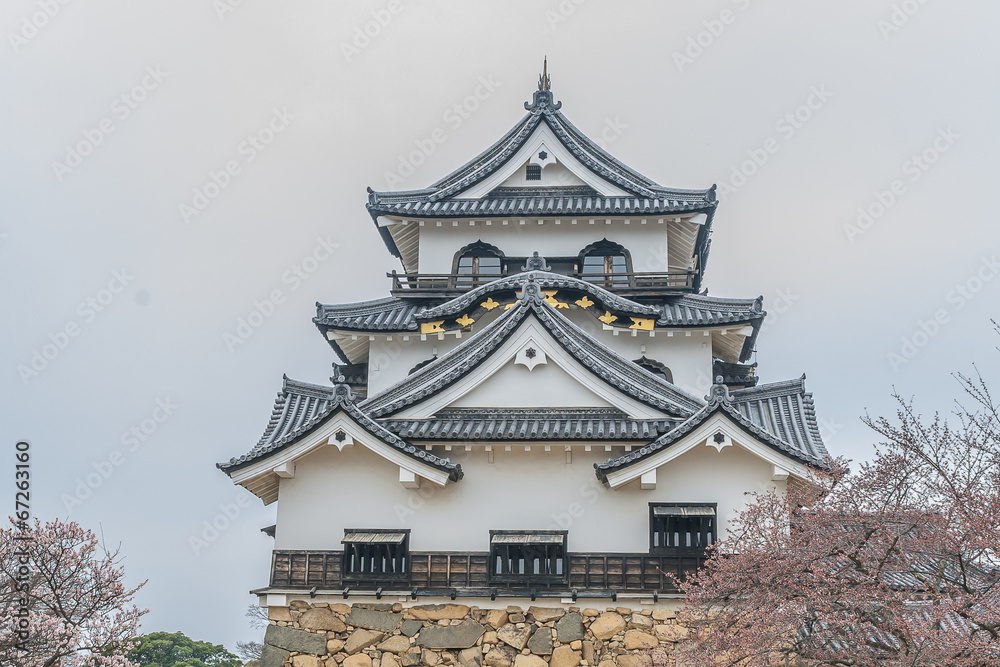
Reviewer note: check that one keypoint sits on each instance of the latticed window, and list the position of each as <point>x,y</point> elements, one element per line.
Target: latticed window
<point>682,527</point>
<point>528,556</point>
<point>375,554</point>
<point>533,172</point>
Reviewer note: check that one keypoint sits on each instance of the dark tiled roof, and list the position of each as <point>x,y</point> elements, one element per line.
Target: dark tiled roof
<point>602,362</point>
<point>388,314</point>
<point>792,413</point>
<point>530,206</point>
<point>302,407</point>
<point>509,424</point>
<point>809,451</point>
<point>700,310</point>
<point>735,374</point>
<point>397,314</point>
<point>599,161</point>
<point>547,281</point>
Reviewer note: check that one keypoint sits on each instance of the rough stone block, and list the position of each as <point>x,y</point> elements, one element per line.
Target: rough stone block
<point>374,619</point>
<point>500,656</point>
<point>545,614</point>
<point>514,636</point>
<point>362,639</point>
<point>298,641</point>
<point>636,639</point>
<point>607,625</point>
<point>359,660</point>
<point>272,656</point>
<point>541,642</point>
<point>496,618</point>
<point>530,661</point>
<point>570,627</point>
<point>564,656</point>
<point>410,627</point>
<point>437,612</point>
<point>396,644</point>
<point>463,635</point>
<point>321,619</point>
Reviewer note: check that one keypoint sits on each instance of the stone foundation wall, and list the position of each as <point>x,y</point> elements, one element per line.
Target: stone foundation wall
<point>389,635</point>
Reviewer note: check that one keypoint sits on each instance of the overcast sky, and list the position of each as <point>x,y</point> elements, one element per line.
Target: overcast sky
<point>115,113</point>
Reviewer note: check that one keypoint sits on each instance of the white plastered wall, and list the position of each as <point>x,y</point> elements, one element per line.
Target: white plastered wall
<point>355,488</point>
<point>647,243</point>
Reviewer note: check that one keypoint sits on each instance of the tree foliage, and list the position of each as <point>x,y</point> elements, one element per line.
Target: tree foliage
<point>891,564</point>
<point>63,600</point>
<point>165,649</point>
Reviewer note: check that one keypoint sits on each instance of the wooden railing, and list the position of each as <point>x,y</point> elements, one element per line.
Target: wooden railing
<point>449,284</point>
<point>469,572</point>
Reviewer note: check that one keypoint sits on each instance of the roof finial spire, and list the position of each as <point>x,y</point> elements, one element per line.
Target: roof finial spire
<point>543,102</point>
<point>544,83</point>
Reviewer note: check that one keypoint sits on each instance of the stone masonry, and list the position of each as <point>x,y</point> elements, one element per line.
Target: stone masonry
<point>389,635</point>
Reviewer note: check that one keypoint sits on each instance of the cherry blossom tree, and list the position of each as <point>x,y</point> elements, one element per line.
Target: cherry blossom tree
<point>893,563</point>
<point>63,600</point>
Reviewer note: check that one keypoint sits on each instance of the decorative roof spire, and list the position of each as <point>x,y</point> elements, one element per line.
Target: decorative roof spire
<point>542,101</point>
<point>544,83</point>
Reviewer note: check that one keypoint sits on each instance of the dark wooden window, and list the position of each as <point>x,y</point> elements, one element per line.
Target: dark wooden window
<point>533,172</point>
<point>477,264</point>
<point>376,555</point>
<point>528,557</point>
<point>676,527</point>
<point>605,263</point>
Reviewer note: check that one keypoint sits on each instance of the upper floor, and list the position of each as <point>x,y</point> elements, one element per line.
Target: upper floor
<point>546,187</point>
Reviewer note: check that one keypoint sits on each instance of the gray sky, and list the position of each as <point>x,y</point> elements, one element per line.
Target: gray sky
<point>904,103</point>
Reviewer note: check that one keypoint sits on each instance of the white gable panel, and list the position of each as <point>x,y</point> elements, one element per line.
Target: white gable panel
<point>542,139</point>
<point>733,435</point>
<point>532,334</point>
<point>514,386</point>
<point>553,175</point>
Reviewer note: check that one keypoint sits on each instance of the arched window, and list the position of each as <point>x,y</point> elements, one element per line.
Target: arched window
<point>478,263</point>
<point>656,368</point>
<point>605,263</point>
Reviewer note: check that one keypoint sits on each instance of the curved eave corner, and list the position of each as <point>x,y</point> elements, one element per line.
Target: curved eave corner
<point>304,418</point>
<point>719,401</point>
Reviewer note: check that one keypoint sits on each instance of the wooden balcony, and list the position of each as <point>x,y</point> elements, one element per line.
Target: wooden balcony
<point>448,285</point>
<point>467,574</point>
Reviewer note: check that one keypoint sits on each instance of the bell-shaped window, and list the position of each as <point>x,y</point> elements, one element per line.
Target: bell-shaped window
<point>605,263</point>
<point>478,264</point>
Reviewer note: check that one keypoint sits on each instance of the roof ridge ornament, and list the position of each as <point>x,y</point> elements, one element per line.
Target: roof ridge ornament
<point>535,263</point>
<point>531,291</point>
<point>542,102</point>
<point>719,393</point>
<point>342,393</point>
